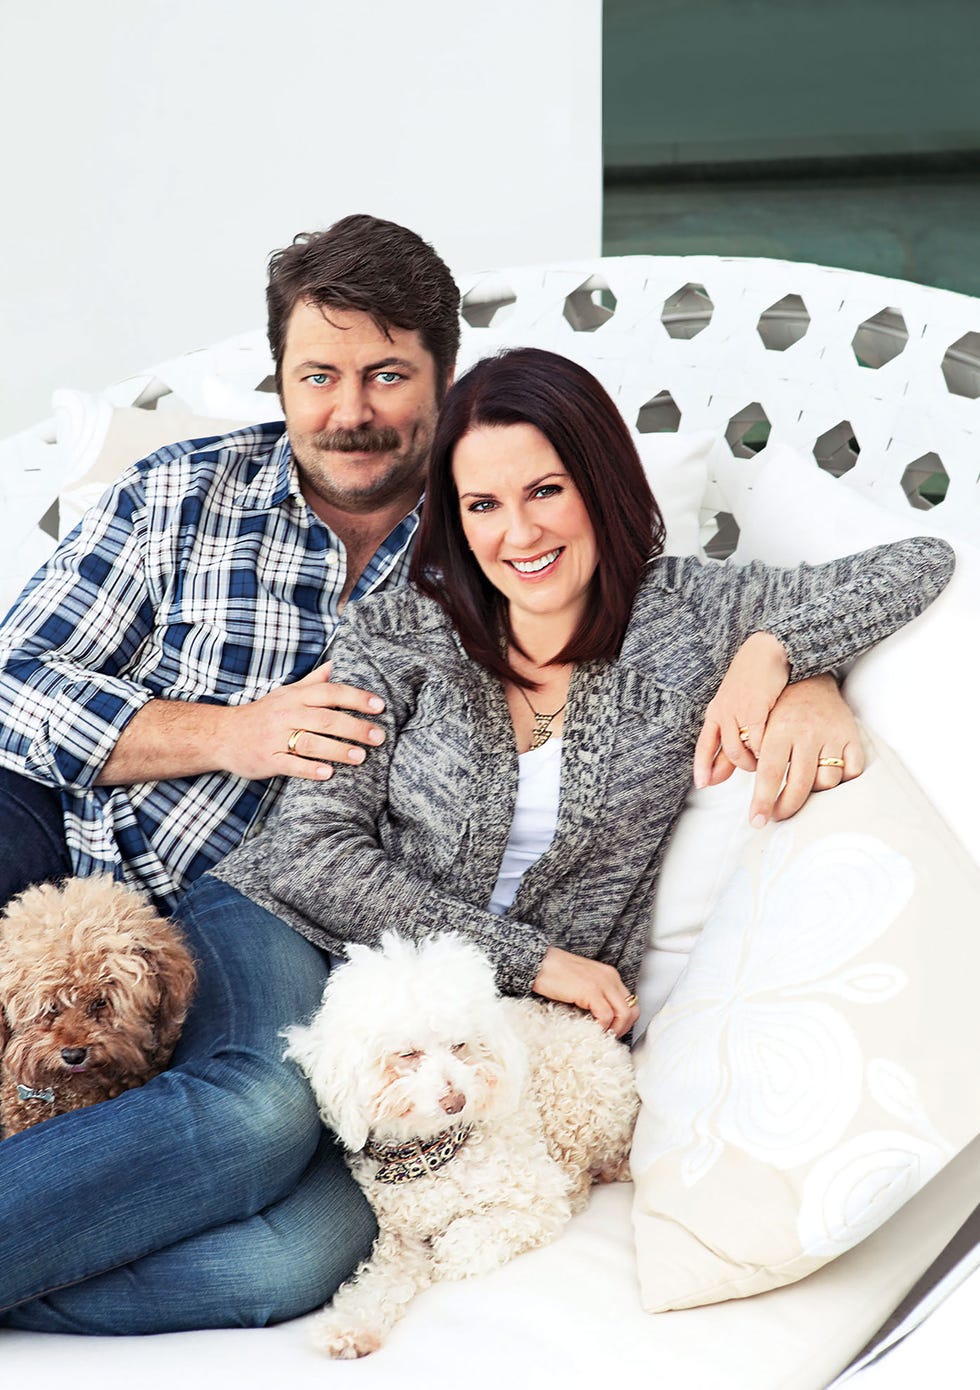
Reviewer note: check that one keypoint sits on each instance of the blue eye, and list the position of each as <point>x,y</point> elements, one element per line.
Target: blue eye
<point>317,379</point>
<point>388,378</point>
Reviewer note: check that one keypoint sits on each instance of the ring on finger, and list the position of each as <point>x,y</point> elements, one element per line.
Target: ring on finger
<point>631,1001</point>
<point>743,734</point>
<point>293,739</point>
<point>830,762</point>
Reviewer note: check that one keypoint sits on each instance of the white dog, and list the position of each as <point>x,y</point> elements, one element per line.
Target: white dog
<point>474,1124</point>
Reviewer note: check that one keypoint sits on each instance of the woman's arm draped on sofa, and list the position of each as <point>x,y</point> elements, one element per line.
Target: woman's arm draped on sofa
<point>845,606</point>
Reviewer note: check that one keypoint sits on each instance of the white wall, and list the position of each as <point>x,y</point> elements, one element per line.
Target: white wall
<point>155,152</point>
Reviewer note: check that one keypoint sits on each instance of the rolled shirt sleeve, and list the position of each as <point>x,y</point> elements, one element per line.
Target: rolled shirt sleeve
<point>65,644</point>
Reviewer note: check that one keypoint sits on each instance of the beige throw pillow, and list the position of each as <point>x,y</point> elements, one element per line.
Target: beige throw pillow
<point>816,1063</point>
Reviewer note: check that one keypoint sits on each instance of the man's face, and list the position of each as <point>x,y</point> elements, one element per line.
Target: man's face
<point>360,410</point>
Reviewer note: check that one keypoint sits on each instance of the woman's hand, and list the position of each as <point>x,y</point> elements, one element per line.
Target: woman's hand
<point>590,985</point>
<point>735,721</point>
<point>811,744</point>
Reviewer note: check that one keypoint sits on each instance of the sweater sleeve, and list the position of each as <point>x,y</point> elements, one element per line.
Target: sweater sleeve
<point>320,855</point>
<point>66,643</point>
<point>826,614</point>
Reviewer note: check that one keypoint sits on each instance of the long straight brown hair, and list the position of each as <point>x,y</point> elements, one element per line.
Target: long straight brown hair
<point>579,420</point>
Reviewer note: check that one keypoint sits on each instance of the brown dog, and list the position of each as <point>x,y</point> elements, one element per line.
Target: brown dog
<point>94,989</point>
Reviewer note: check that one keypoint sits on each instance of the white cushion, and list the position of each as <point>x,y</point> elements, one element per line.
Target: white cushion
<point>918,689</point>
<point>704,850</point>
<point>816,1064</point>
<point>676,466</point>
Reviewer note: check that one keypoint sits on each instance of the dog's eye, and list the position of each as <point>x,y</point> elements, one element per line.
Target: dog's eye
<point>53,1011</point>
<point>459,1047</point>
<point>97,1005</point>
<point>412,1056</point>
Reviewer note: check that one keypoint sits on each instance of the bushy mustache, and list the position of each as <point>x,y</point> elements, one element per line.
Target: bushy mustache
<point>363,440</point>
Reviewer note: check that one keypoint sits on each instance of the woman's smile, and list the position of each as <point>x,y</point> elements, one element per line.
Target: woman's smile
<point>537,566</point>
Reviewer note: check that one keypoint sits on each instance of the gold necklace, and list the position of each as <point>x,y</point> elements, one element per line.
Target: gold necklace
<point>542,722</point>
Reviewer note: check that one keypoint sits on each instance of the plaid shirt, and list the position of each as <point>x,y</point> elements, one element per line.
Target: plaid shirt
<point>202,576</point>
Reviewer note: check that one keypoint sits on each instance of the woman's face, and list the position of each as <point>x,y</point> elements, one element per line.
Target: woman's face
<point>525,521</point>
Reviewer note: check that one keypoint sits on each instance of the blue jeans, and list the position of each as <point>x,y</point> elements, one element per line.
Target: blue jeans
<point>32,835</point>
<point>212,1196</point>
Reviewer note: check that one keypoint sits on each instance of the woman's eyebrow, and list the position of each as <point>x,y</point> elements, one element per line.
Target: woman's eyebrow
<point>528,487</point>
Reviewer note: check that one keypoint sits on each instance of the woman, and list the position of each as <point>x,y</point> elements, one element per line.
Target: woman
<point>544,687</point>
<point>544,684</point>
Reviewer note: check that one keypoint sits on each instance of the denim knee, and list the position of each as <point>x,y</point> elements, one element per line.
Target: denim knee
<point>286,1261</point>
<point>255,1117</point>
<point>305,1247</point>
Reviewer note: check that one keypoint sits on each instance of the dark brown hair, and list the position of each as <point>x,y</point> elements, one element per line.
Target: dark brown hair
<point>375,267</point>
<point>579,420</point>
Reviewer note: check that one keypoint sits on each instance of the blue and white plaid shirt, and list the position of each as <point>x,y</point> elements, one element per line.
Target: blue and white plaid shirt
<point>202,576</point>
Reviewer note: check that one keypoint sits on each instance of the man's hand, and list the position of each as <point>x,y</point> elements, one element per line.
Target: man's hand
<point>297,730</point>
<point>810,721</point>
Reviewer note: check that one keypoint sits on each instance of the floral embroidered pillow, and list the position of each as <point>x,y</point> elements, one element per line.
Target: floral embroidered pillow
<point>816,1064</point>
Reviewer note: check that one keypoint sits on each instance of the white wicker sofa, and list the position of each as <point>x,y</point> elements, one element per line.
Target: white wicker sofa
<point>785,412</point>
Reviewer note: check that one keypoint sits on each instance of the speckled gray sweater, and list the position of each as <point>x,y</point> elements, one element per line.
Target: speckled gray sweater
<point>413,839</point>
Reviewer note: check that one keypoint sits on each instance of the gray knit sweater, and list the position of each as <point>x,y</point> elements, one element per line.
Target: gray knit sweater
<point>413,839</point>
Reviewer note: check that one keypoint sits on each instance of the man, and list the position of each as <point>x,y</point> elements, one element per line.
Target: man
<point>158,678</point>
<point>152,677</point>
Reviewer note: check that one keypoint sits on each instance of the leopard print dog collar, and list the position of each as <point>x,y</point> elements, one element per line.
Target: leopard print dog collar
<point>413,1159</point>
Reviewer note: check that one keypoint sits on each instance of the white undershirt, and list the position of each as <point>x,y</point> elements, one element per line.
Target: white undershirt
<point>535,819</point>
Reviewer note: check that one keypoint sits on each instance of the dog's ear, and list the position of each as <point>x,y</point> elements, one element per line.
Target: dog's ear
<point>176,977</point>
<point>337,1078</point>
<point>504,1062</point>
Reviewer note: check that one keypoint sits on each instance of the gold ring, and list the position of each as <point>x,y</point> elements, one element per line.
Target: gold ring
<point>830,762</point>
<point>631,1001</point>
<point>744,734</point>
<point>292,740</point>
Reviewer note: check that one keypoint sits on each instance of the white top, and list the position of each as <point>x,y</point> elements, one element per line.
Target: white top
<point>535,819</point>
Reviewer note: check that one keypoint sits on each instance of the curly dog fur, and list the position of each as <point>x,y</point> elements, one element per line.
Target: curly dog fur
<point>94,989</point>
<point>532,1103</point>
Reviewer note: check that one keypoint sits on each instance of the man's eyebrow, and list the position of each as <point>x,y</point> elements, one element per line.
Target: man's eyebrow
<point>385,362</point>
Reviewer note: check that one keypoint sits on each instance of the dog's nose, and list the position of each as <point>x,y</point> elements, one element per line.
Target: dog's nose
<point>452,1102</point>
<point>73,1056</point>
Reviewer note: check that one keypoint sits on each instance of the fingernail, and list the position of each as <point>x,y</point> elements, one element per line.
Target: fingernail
<point>356,755</point>
<point>700,781</point>
<point>376,735</point>
<point>758,821</point>
<point>324,772</point>
<point>375,704</point>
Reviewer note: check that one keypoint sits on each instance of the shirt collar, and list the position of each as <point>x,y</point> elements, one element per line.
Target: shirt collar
<point>274,481</point>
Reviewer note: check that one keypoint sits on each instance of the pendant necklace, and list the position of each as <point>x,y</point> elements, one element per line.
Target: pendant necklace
<point>542,722</point>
